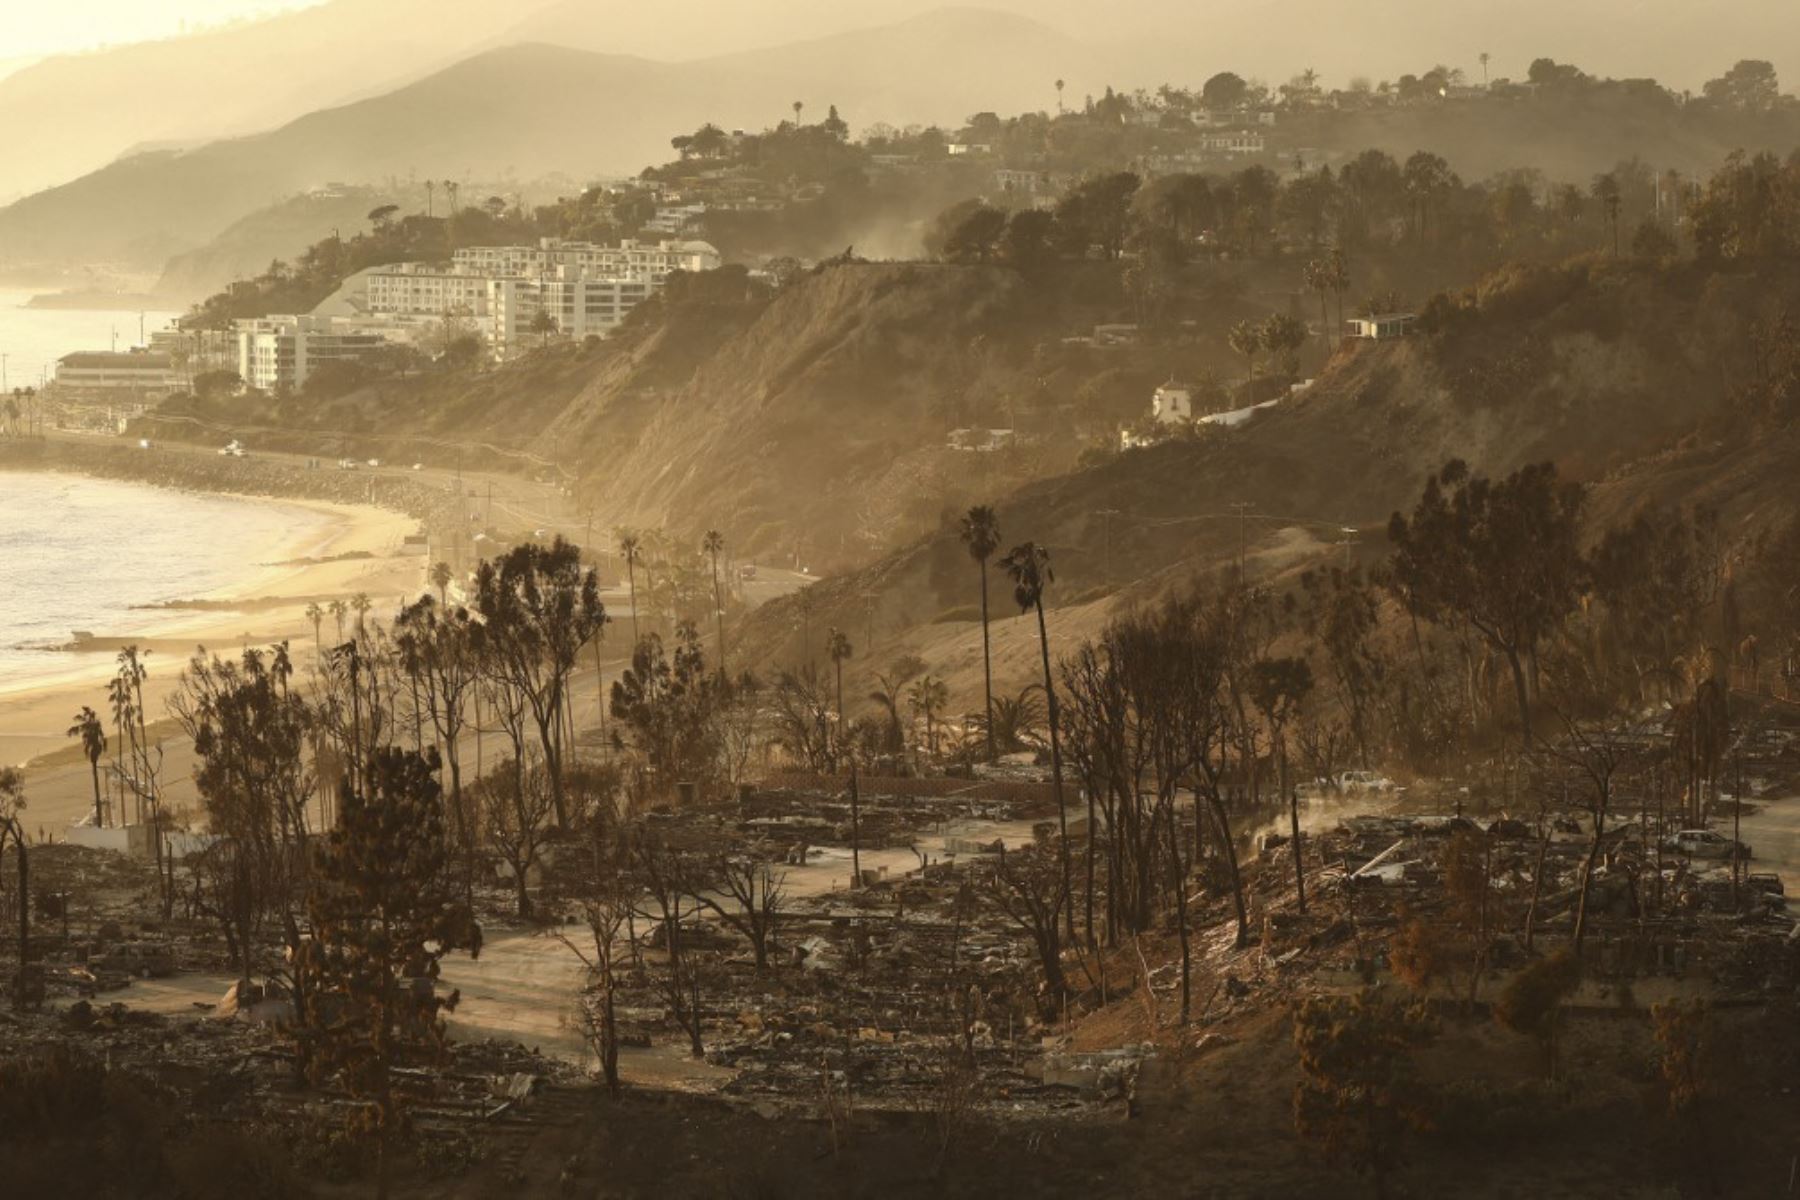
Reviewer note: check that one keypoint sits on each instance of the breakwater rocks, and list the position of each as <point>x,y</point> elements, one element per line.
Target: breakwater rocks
<point>198,470</point>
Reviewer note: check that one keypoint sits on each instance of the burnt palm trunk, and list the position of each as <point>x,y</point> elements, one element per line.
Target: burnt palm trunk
<point>1056,772</point>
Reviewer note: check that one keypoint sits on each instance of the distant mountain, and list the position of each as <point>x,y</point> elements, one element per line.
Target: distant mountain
<point>533,110</point>
<point>73,113</point>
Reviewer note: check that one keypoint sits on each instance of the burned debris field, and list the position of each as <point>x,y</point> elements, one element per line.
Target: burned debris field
<point>781,600</point>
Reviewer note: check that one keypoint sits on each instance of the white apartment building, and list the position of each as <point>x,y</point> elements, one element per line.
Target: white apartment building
<point>629,258</point>
<point>579,303</point>
<point>419,290</point>
<point>281,352</point>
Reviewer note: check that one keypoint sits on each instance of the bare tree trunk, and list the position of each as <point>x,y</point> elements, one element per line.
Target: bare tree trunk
<point>1293,799</point>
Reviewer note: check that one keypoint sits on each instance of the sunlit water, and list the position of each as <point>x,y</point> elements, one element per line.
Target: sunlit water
<point>32,339</point>
<point>84,554</point>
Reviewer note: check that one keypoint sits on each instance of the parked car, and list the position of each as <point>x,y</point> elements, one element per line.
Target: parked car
<point>232,449</point>
<point>1766,882</point>
<point>1705,843</point>
<point>1364,781</point>
<point>346,464</point>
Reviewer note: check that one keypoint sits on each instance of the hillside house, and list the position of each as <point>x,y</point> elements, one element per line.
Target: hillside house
<point>1172,404</point>
<point>1382,327</point>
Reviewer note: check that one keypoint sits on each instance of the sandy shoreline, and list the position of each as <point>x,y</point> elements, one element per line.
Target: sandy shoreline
<point>340,550</point>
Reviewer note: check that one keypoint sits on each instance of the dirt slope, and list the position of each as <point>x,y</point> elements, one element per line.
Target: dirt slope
<point>1609,370</point>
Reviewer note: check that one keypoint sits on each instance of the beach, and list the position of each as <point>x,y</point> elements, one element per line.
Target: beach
<point>333,551</point>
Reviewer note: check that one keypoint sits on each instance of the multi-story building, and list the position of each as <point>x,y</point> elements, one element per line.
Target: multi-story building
<point>579,304</point>
<point>111,372</point>
<point>420,290</point>
<point>279,353</point>
<point>628,258</point>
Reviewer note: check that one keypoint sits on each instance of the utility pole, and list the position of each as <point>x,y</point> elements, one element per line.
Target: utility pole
<point>1243,508</point>
<point>1106,515</point>
<point>1737,818</point>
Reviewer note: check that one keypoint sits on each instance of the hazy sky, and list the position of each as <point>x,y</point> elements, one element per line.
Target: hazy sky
<point>65,25</point>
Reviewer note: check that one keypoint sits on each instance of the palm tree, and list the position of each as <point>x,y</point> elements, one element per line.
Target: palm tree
<point>430,191</point>
<point>928,698</point>
<point>1246,339</point>
<point>798,105</point>
<point>981,534</point>
<point>338,611</point>
<point>441,575</point>
<point>316,615</point>
<point>1484,56</point>
<point>837,644</point>
<point>1060,85</point>
<point>1028,564</point>
<point>1338,277</point>
<point>1317,276</point>
<point>714,544</point>
<point>87,727</point>
<point>362,604</point>
<point>630,546</point>
<point>1606,191</point>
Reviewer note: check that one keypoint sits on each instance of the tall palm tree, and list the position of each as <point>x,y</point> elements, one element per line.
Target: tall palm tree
<point>837,644</point>
<point>714,545</point>
<point>798,105</point>
<point>362,604</point>
<point>1338,275</point>
<point>441,575</point>
<point>338,611</point>
<point>1246,339</point>
<point>316,615</point>
<point>631,547</point>
<point>981,534</point>
<point>92,733</point>
<point>1060,85</point>
<point>1317,276</point>
<point>1028,565</point>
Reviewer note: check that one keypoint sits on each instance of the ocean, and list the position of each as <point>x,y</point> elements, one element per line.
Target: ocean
<point>78,553</point>
<point>32,339</point>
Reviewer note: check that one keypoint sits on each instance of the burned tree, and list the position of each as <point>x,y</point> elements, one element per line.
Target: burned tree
<point>1502,556</point>
<point>758,892</point>
<point>1027,887</point>
<point>540,607</point>
<point>662,878</point>
<point>518,803</point>
<point>1278,687</point>
<point>251,733</point>
<point>384,914</point>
